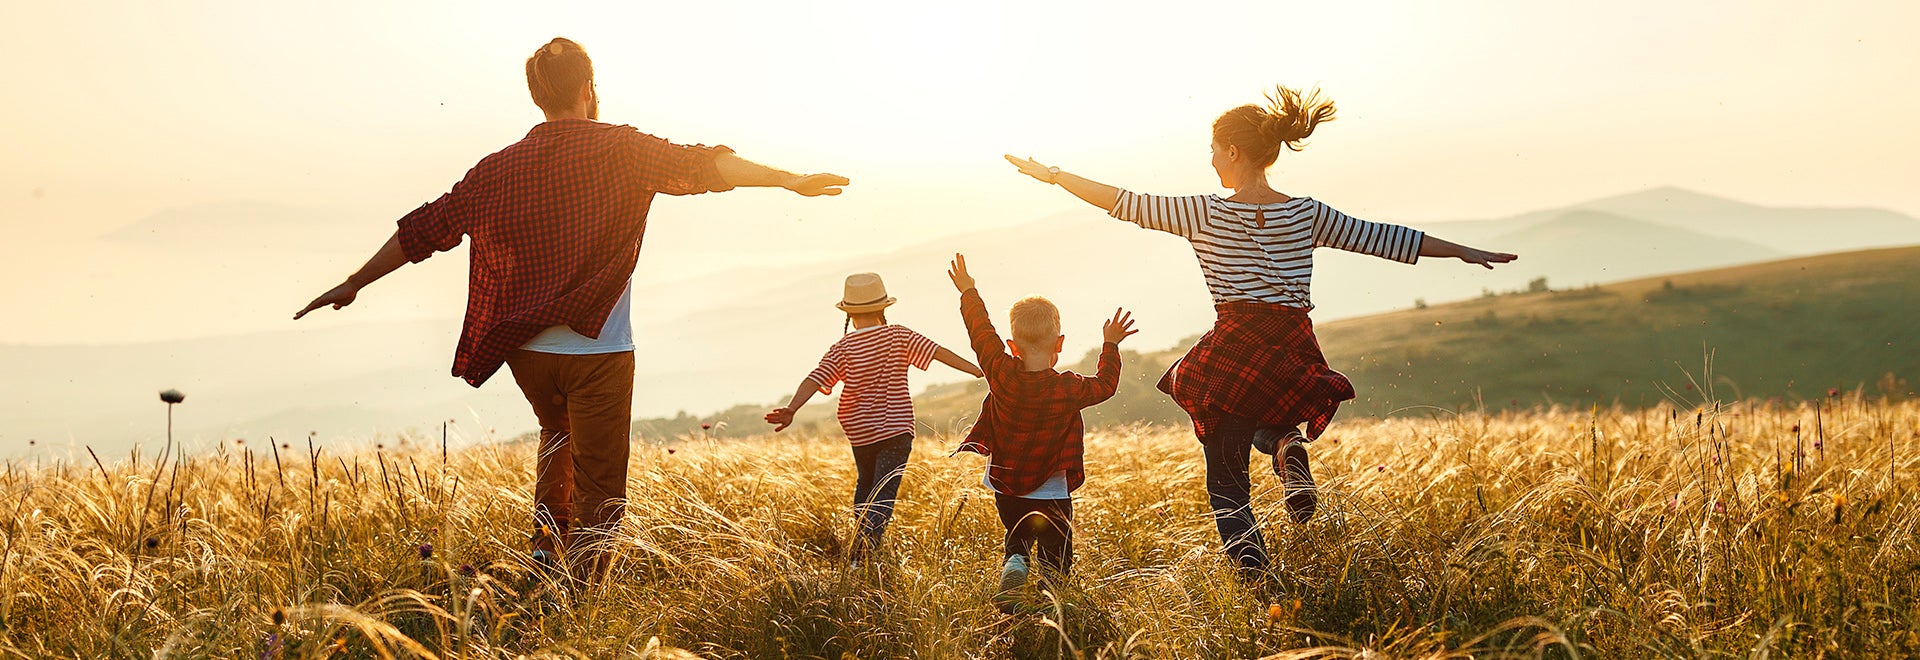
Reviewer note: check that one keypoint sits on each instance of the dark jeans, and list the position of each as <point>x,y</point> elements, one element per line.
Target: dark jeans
<point>1230,493</point>
<point>1045,523</point>
<point>880,466</point>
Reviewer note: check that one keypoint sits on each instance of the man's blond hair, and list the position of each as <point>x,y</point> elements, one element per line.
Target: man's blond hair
<point>1036,322</point>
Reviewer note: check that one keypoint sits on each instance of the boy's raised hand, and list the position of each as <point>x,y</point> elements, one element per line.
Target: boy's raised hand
<point>1119,327</point>
<point>957,271</point>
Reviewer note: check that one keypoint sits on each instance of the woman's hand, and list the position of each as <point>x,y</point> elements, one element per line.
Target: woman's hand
<point>1033,168</point>
<point>1484,258</point>
<point>1434,246</point>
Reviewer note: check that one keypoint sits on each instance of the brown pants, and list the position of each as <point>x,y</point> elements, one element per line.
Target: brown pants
<point>585,407</point>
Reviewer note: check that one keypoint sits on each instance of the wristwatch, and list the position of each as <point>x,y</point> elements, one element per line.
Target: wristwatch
<point>1053,173</point>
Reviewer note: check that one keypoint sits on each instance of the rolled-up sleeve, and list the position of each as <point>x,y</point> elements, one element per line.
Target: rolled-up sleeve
<point>438,225</point>
<point>675,169</point>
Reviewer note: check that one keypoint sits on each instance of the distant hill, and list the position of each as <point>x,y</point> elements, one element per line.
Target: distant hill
<point>1790,329</point>
<point>707,341</point>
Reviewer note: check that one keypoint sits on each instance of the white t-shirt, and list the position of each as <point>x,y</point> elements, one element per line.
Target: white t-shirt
<point>1054,488</point>
<point>615,337</point>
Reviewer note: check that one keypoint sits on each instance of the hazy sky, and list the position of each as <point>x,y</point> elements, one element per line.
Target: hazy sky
<point>352,113</point>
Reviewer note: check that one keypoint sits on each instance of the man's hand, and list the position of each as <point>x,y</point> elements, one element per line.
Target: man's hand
<point>957,271</point>
<point>781,418</point>
<point>815,185</point>
<point>339,296</point>
<point>1119,327</point>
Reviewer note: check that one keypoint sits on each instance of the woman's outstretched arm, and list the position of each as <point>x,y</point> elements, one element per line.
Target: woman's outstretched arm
<point>1088,190</point>
<point>1435,247</point>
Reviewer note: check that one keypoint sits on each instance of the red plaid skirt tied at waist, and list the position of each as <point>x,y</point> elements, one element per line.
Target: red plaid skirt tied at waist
<point>1262,362</point>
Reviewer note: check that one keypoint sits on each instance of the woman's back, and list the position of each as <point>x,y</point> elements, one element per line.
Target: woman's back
<point>1264,252</point>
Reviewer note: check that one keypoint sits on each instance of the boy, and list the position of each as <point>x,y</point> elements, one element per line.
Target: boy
<point>1030,425</point>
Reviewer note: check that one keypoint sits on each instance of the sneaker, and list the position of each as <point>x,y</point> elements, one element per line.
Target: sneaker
<point>1013,576</point>
<point>1302,500</point>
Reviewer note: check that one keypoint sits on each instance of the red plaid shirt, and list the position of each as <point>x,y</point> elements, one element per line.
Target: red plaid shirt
<point>1030,422</point>
<point>556,221</point>
<point>1260,362</point>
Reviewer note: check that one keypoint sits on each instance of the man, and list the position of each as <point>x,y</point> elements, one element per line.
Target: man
<point>556,222</point>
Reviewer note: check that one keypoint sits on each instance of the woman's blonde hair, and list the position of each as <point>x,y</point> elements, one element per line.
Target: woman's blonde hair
<point>1288,118</point>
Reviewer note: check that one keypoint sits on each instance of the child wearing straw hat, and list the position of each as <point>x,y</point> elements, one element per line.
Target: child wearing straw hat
<point>876,411</point>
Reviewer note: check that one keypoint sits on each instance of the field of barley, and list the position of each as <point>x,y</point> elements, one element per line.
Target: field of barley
<point>1750,529</point>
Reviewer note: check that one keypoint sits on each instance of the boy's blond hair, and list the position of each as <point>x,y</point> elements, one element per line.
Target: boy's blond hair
<point>1036,322</point>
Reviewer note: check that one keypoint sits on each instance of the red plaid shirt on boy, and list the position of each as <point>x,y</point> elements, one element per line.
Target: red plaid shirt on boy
<point>556,221</point>
<point>1030,422</point>
<point>1262,362</point>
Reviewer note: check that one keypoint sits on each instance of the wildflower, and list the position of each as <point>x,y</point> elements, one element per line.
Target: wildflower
<point>1382,468</point>
<point>426,551</point>
<point>172,396</point>
<point>1833,392</point>
<point>467,570</point>
<point>340,645</point>
<point>239,441</point>
<point>284,445</point>
<point>669,450</point>
<point>1274,612</point>
<point>31,442</point>
<point>1720,507</point>
<point>152,543</point>
<point>1796,427</point>
<point>706,427</point>
<point>279,616</point>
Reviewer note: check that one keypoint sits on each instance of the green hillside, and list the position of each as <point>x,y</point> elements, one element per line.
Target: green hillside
<point>1791,329</point>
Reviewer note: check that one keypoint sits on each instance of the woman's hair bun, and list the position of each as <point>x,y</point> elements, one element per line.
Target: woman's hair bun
<point>1291,116</point>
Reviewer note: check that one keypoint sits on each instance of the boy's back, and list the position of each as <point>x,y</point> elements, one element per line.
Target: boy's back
<point>1030,422</point>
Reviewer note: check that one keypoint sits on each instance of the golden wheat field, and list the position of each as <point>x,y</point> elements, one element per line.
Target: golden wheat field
<point>1743,530</point>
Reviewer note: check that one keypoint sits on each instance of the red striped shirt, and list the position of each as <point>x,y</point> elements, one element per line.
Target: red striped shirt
<point>874,404</point>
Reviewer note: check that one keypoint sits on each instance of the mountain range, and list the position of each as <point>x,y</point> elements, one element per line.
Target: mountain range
<point>710,341</point>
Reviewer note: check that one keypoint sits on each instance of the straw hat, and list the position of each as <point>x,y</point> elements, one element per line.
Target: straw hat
<point>864,293</point>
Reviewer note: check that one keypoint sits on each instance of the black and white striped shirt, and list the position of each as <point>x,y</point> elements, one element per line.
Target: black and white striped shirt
<point>1264,252</point>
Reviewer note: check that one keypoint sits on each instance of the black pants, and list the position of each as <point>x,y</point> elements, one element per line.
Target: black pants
<point>879,467</point>
<point>1047,524</point>
<point>1230,493</point>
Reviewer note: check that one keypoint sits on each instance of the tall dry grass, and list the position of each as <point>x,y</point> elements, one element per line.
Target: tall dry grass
<point>1659,533</point>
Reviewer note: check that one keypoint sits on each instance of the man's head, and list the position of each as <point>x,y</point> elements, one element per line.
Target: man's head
<point>1036,330</point>
<point>560,76</point>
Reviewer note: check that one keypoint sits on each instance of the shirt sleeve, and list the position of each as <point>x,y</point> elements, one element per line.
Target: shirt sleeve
<point>1334,229</point>
<point>919,349</point>
<point>438,226</point>
<point>1101,386</point>
<point>675,169</point>
<point>1180,216</point>
<point>981,335</point>
<point>831,370</point>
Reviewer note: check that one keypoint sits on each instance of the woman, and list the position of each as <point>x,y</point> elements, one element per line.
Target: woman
<point>1258,375</point>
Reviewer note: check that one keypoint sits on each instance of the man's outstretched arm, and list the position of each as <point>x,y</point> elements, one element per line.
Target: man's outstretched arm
<point>385,260</point>
<point>739,171</point>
